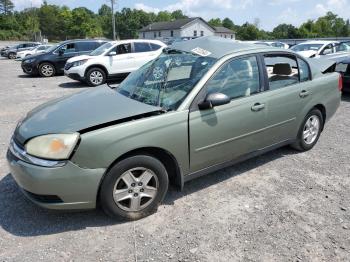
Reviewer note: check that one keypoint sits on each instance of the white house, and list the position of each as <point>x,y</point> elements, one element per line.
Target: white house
<point>183,28</point>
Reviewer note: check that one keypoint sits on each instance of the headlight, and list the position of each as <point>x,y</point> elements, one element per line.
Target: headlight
<point>55,146</point>
<point>79,63</point>
<point>29,60</point>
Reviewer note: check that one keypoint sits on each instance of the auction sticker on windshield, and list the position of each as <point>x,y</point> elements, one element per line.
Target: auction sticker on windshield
<point>200,51</point>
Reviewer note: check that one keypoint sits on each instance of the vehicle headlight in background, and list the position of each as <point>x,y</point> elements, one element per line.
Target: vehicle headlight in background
<point>29,60</point>
<point>79,63</point>
<point>53,146</point>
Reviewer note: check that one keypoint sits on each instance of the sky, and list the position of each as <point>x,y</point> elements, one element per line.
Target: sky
<point>269,13</point>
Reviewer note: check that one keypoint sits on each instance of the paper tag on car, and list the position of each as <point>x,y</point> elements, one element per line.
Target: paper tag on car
<point>200,51</point>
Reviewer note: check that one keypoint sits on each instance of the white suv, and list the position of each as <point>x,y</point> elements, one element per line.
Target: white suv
<point>112,60</point>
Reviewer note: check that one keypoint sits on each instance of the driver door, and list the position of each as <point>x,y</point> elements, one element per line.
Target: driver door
<point>69,51</point>
<point>123,61</point>
<point>226,132</point>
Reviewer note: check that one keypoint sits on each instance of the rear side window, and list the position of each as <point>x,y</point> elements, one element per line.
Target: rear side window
<point>282,71</point>
<point>155,47</point>
<point>237,78</point>
<point>142,47</point>
<point>85,46</point>
<point>304,70</point>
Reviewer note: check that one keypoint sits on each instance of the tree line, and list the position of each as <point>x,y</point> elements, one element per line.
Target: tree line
<point>61,23</point>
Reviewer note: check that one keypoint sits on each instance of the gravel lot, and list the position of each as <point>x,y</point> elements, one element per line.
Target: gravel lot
<point>282,206</point>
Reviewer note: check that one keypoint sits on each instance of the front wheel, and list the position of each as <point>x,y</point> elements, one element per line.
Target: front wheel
<point>95,77</point>
<point>12,55</point>
<point>134,187</point>
<point>309,131</point>
<point>47,70</point>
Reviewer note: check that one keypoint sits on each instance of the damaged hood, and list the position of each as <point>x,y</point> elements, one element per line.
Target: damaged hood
<point>80,111</point>
<point>322,64</point>
<point>308,53</point>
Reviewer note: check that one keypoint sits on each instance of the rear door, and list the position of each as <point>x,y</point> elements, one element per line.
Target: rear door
<point>143,53</point>
<point>287,92</point>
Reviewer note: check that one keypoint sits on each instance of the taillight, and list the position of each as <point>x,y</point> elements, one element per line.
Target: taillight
<point>340,82</point>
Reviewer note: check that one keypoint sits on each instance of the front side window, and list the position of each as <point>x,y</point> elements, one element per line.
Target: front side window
<point>69,48</point>
<point>167,80</point>
<point>122,49</point>
<point>327,50</point>
<point>142,47</point>
<point>304,70</point>
<point>282,71</point>
<point>237,78</point>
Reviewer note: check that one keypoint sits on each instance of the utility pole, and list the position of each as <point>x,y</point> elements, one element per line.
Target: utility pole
<point>113,19</point>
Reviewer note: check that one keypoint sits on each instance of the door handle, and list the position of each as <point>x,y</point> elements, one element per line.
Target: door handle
<point>258,107</point>
<point>304,94</point>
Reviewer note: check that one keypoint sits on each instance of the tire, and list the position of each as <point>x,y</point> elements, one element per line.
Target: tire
<point>304,142</point>
<point>134,199</point>
<point>95,77</point>
<point>12,55</point>
<point>47,70</point>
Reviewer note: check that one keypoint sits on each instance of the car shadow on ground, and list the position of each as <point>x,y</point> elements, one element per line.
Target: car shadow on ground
<point>21,217</point>
<point>75,84</point>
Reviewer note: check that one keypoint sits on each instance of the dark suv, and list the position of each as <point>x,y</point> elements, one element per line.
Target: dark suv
<point>53,60</point>
<point>11,51</point>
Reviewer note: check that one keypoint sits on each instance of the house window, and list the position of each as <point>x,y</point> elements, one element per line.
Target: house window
<point>171,33</point>
<point>143,35</point>
<point>231,36</point>
<point>195,33</point>
<point>225,36</point>
<point>159,33</point>
<point>155,35</point>
<point>202,33</point>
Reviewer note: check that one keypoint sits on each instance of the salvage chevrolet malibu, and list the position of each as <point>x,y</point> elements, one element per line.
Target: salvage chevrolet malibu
<point>200,106</point>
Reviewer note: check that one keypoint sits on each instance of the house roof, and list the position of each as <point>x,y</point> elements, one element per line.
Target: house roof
<point>221,29</point>
<point>216,47</point>
<point>171,25</point>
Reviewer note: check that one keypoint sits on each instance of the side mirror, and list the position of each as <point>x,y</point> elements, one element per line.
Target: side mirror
<point>113,53</point>
<point>213,100</point>
<point>61,52</point>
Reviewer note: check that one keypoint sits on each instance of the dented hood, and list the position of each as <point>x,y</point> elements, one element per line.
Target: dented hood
<point>80,111</point>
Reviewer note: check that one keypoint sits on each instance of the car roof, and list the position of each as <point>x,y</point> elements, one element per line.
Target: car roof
<point>83,40</point>
<point>322,42</point>
<point>217,47</point>
<point>138,41</point>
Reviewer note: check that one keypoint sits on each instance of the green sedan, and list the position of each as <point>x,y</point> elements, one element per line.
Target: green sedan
<point>202,105</point>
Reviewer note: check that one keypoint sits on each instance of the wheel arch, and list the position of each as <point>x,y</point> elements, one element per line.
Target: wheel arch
<point>97,66</point>
<point>165,157</point>
<point>322,108</point>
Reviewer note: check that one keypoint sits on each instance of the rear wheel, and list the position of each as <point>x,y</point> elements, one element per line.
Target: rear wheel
<point>310,131</point>
<point>12,55</point>
<point>95,77</point>
<point>134,187</point>
<point>47,70</point>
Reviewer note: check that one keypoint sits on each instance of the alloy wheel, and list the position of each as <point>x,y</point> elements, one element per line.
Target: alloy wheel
<point>311,129</point>
<point>96,78</point>
<point>135,189</point>
<point>47,70</point>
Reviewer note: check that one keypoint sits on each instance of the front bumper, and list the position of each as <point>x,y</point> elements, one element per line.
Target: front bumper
<point>64,187</point>
<point>75,73</point>
<point>30,68</point>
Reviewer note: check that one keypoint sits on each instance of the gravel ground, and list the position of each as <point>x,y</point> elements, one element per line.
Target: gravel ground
<point>282,206</point>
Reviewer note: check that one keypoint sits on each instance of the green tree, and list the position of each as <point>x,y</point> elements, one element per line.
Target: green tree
<point>285,31</point>
<point>177,14</point>
<point>6,7</point>
<point>215,22</point>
